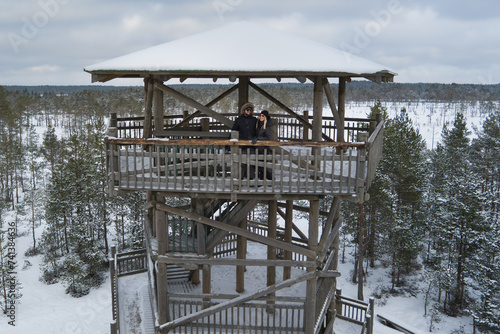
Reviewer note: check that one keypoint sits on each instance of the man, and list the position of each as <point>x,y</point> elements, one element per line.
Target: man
<point>246,125</point>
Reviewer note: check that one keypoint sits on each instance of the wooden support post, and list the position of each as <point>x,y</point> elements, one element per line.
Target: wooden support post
<point>341,112</point>
<point>341,106</point>
<point>162,284</point>
<point>338,304</point>
<point>207,285</point>
<point>148,108</point>
<point>207,270</point>
<point>113,125</point>
<point>241,254</point>
<point>310,318</point>
<point>205,124</point>
<point>317,124</point>
<point>272,222</point>
<point>287,271</point>
<point>158,110</point>
<point>242,92</point>
<point>150,198</point>
<point>305,132</point>
<point>195,278</point>
<point>372,314</point>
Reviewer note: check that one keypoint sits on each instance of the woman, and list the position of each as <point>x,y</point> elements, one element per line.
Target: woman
<point>265,131</point>
<point>265,126</point>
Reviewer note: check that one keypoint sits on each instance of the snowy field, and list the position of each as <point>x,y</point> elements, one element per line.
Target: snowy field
<point>429,117</point>
<point>47,309</point>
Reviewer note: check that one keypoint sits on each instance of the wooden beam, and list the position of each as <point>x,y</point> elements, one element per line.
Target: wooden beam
<point>202,260</point>
<point>294,227</point>
<point>304,121</point>
<point>208,105</point>
<point>233,302</point>
<point>209,112</point>
<point>328,224</point>
<point>239,231</point>
<point>240,213</point>
<point>331,237</point>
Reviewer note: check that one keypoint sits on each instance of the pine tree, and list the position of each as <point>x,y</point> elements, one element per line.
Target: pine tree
<point>486,263</point>
<point>404,165</point>
<point>459,221</point>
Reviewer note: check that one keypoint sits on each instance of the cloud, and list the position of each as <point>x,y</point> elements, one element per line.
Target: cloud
<point>43,69</point>
<point>429,41</point>
<point>131,23</point>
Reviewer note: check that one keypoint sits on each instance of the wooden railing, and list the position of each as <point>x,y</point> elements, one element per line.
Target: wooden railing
<point>288,128</point>
<point>285,315</point>
<point>130,263</point>
<point>209,167</point>
<point>355,311</point>
<point>188,159</point>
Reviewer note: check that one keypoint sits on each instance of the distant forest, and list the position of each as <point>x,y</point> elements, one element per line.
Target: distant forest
<point>356,90</point>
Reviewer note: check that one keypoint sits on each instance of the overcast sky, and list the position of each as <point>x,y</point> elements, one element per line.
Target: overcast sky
<point>49,42</point>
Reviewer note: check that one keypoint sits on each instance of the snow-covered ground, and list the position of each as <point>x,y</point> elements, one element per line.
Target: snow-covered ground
<point>429,117</point>
<point>47,309</point>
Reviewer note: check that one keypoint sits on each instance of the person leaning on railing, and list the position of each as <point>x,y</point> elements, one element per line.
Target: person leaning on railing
<point>265,131</point>
<point>246,125</point>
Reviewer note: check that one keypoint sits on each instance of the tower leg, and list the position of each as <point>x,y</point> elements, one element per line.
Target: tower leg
<point>271,251</point>
<point>310,318</point>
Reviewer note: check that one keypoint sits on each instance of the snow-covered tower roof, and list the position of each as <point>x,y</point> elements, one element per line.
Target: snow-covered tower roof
<point>239,49</point>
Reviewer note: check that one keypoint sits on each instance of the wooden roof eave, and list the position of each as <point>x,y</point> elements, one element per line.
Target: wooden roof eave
<point>107,75</point>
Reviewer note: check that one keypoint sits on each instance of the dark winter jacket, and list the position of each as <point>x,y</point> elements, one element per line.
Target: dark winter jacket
<point>246,125</point>
<point>265,130</point>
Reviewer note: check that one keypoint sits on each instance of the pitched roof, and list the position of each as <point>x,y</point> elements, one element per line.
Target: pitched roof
<point>241,48</point>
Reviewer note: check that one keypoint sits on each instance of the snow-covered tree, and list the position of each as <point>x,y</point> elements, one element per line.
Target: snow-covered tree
<point>405,168</point>
<point>460,224</point>
<point>486,263</point>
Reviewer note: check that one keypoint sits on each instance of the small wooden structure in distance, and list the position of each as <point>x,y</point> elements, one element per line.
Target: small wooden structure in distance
<point>194,158</point>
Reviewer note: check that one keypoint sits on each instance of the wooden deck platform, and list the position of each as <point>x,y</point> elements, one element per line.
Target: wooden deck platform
<point>213,170</point>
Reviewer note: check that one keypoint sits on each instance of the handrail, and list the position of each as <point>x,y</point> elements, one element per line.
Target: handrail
<point>229,142</point>
<point>220,167</point>
<point>356,311</point>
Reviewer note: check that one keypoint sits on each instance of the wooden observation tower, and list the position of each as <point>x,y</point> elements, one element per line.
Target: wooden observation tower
<point>319,154</point>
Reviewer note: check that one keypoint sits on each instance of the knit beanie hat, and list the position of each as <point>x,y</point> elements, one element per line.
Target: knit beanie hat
<point>265,113</point>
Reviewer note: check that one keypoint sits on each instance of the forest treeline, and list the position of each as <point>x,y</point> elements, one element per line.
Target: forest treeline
<point>125,100</point>
<point>432,214</point>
